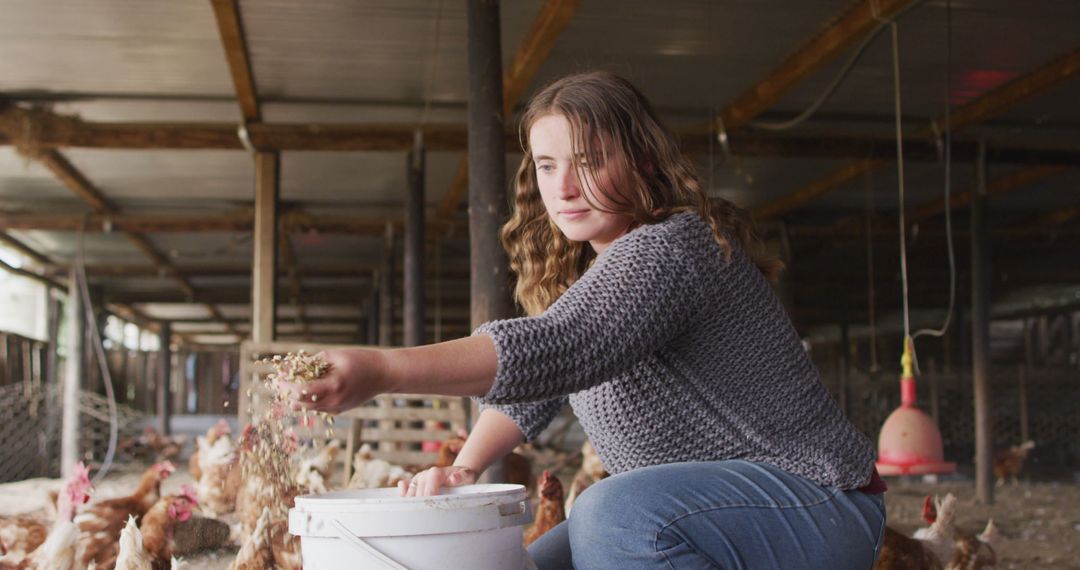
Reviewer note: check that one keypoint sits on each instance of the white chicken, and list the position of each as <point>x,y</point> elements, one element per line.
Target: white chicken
<point>132,554</point>
<point>371,473</point>
<point>313,473</point>
<point>58,550</point>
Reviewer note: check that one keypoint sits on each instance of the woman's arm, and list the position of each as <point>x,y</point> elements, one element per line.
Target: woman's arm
<point>493,436</point>
<point>462,367</point>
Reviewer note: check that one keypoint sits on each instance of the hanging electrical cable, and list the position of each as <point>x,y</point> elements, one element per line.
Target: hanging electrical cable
<point>900,178</point>
<point>948,187</point>
<point>99,352</point>
<point>841,76</point>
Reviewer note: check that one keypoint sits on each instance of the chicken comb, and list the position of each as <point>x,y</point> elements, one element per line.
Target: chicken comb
<point>78,487</point>
<point>929,511</point>
<point>188,492</point>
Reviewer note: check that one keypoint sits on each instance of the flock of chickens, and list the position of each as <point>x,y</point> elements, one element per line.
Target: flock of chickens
<point>240,499</point>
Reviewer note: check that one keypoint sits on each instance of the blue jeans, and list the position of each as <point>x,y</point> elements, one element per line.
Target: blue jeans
<point>719,514</point>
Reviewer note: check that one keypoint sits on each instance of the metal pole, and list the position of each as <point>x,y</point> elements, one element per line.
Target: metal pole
<point>386,291</point>
<point>414,245</point>
<point>488,207</point>
<point>1021,377</point>
<point>980,334</point>
<point>53,316</point>
<point>373,310</point>
<point>73,374</point>
<point>51,377</point>
<point>845,364</point>
<point>164,387</point>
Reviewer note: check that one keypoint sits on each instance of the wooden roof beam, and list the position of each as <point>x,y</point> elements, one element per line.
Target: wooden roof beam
<point>359,269</point>
<point>236,221</point>
<point>28,251</point>
<point>546,28</point>
<point>82,187</point>
<point>989,105</point>
<point>1019,179</point>
<point>231,28</point>
<point>58,131</point>
<point>837,37</point>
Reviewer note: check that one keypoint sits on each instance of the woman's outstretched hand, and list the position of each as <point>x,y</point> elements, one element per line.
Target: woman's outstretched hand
<point>428,482</point>
<point>353,376</point>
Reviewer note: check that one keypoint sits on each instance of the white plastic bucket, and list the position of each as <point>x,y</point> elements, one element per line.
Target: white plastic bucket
<point>474,526</point>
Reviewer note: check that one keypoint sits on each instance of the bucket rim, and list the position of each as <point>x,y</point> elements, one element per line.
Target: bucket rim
<point>363,499</point>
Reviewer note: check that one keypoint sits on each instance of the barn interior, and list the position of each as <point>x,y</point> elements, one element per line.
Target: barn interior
<point>187,186</point>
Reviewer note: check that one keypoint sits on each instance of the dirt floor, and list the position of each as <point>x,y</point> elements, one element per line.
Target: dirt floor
<point>1038,522</point>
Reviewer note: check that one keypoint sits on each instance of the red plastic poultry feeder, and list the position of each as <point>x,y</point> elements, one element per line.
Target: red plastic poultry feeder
<point>910,442</point>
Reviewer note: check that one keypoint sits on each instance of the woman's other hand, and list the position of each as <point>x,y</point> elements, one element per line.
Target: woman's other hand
<point>428,482</point>
<point>353,376</point>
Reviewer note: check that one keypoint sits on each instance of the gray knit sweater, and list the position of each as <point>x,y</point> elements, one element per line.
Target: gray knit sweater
<point>668,352</point>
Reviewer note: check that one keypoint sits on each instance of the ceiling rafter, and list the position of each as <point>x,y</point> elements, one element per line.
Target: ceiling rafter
<point>360,269</point>
<point>60,131</point>
<point>71,177</point>
<point>231,28</point>
<point>546,28</point>
<point>838,36</point>
<point>931,208</point>
<point>985,107</point>
<point>123,311</point>
<point>236,221</point>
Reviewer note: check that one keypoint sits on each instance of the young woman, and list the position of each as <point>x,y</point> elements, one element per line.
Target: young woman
<point>650,312</point>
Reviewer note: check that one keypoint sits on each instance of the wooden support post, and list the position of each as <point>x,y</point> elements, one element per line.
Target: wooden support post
<point>488,208</point>
<point>414,246</point>
<point>980,336</point>
<point>264,268</point>
<point>263,290</point>
<point>164,387</point>
<point>73,374</point>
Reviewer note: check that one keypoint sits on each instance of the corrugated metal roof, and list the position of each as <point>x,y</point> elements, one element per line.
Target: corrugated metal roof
<point>404,62</point>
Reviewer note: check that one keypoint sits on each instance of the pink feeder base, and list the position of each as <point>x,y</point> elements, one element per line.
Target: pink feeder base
<point>910,444</point>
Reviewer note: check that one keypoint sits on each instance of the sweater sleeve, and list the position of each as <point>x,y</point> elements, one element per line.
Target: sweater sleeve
<point>638,296</point>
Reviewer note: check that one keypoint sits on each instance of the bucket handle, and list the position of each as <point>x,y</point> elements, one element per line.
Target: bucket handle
<point>365,547</point>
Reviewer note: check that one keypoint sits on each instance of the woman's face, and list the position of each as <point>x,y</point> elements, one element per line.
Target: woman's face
<point>557,175</point>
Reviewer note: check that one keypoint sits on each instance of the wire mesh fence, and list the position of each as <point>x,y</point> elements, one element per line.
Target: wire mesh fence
<point>1041,404</point>
<point>30,421</point>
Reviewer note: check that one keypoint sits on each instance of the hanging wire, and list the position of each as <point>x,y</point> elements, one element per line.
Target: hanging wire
<point>106,376</point>
<point>841,76</point>
<point>900,176</point>
<point>948,187</point>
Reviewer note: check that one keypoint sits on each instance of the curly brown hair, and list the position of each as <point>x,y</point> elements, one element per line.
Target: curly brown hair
<point>609,120</point>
